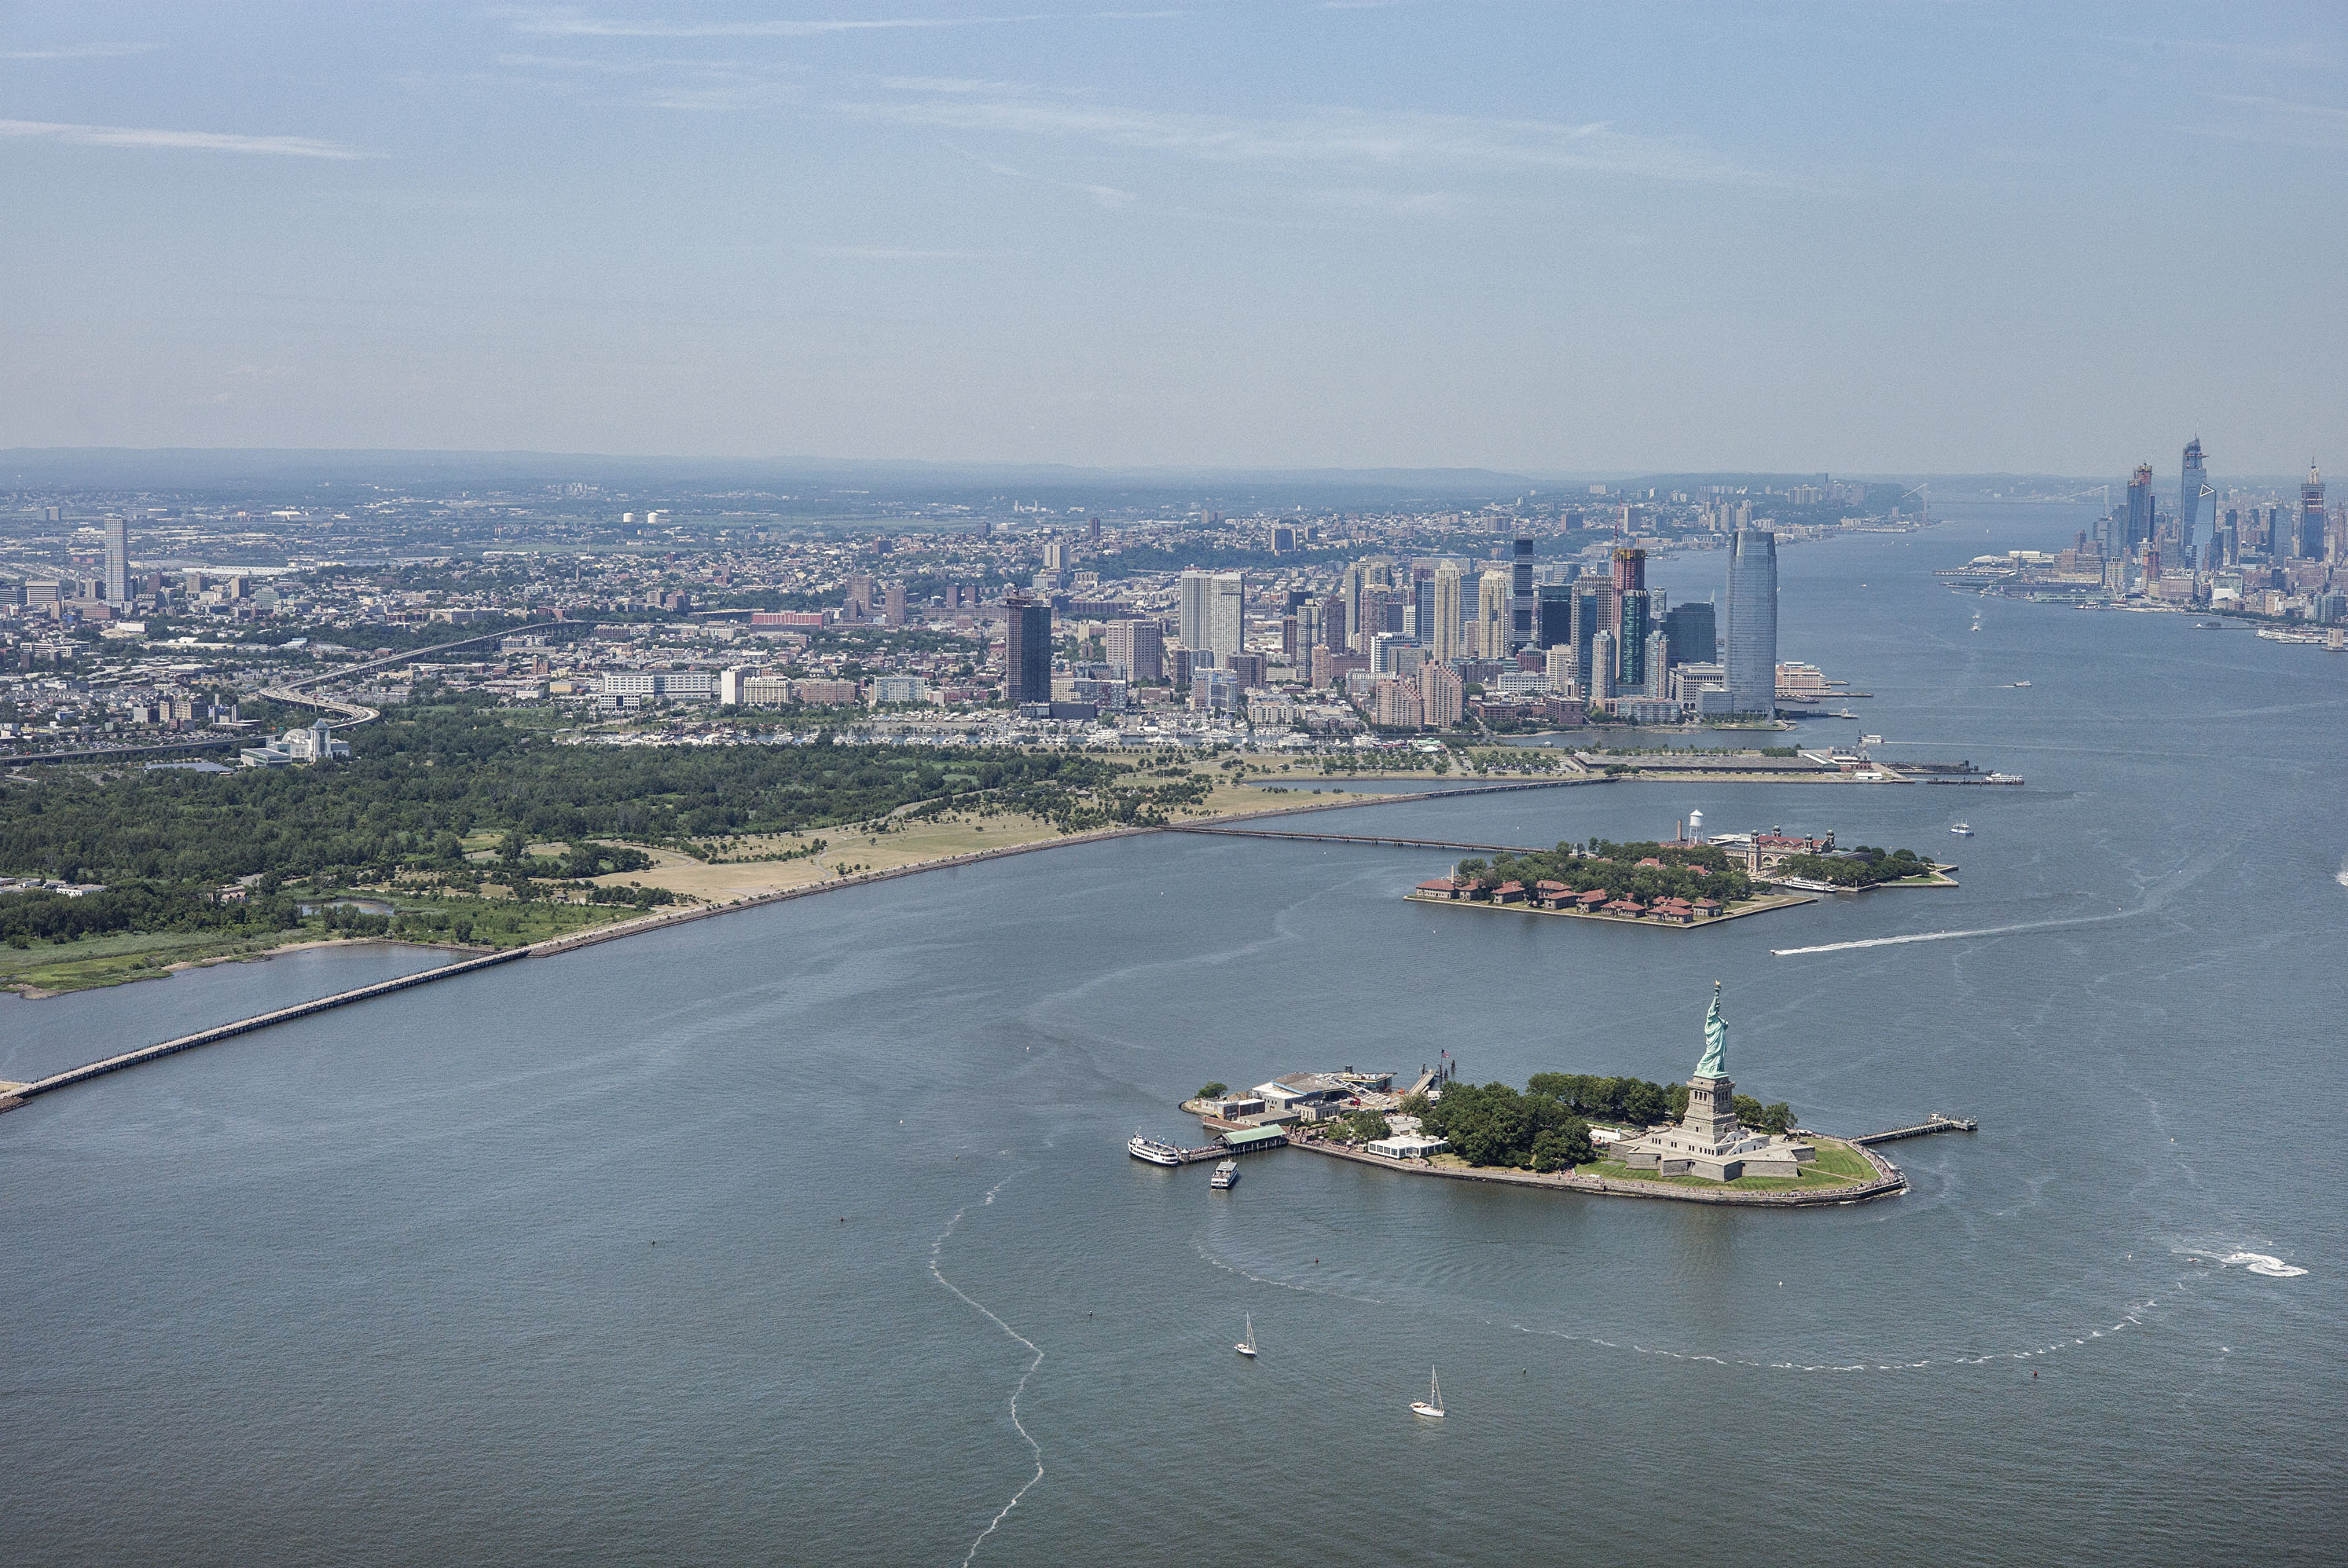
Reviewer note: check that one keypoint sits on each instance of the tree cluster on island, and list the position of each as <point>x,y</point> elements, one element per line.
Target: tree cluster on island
<point>1863,866</point>
<point>1546,1127</point>
<point>1690,871</point>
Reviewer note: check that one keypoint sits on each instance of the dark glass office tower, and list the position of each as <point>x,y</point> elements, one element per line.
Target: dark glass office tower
<point>1589,621</point>
<point>1749,629</point>
<point>2310,516</point>
<point>2139,509</point>
<point>1555,620</point>
<point>1027,651</point>
<point>1521,630</point>
<point>1688,629</point>
<point>2190,489</point>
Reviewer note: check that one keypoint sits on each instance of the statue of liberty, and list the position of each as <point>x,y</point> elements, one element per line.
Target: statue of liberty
<point>1713,1063</point>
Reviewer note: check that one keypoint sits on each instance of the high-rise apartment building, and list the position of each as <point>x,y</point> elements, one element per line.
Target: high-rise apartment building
<point>1442,695</point>
<point>1492,606</point>
<point>118,558</point>
<point>1138,649</point>
<point>893,605</point>
<point>1749,624</point>
<point>1561,667</point>
<point>1658,664</point>
<point>1191,615</point>
<point>1441,634</point>
<point>1601,685</point>
<point>1226,614</point>
<point>1026,650</point>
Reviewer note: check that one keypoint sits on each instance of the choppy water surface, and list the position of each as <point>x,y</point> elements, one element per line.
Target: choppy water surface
<point>738,1242</point>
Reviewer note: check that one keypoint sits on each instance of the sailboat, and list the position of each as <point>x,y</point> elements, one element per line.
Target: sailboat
<point>1247,1345</point>
<point>1433,1404</point>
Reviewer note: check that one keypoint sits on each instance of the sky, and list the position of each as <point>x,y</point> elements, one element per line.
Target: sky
<point>1950,237</point>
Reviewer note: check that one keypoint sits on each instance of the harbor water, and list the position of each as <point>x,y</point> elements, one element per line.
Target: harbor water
<point>808,1234</point>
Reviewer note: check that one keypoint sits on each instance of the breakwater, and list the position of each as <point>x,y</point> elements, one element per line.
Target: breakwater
<point>83,1074</point>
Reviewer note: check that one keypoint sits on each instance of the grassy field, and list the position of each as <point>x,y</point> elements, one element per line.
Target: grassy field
<point>1837,1165</point>
<point>766,862</point>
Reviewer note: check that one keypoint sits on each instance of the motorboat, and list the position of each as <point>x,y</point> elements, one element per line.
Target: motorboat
<point>1961,829</point>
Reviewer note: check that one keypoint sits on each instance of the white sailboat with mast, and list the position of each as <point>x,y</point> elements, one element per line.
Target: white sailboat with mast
<point>1433,1404</point>
<point>1247,1345</point>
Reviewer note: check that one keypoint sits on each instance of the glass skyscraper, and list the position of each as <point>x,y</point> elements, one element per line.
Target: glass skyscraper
<point>1748,631</point>
<point>2189,491</point>
<point>1026,651</point>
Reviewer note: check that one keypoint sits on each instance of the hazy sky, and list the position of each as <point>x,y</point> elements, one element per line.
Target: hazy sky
<point>1919,237</point>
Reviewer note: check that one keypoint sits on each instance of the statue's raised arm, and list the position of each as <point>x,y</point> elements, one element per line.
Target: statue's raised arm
<point>1714,1062</point>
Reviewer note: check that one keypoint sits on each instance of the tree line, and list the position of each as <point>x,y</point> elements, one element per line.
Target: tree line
<point>1690,871</point>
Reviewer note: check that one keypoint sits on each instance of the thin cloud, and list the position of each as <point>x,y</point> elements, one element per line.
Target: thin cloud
<point>897,253</point>
<point>569,24</point>
<point>2278,122</point>
<point>180,140</point>
<point>1106,196</point>
<point>78,52</point>
<point>1338,137</point>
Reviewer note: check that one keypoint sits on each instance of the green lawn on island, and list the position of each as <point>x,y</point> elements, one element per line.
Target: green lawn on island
<point>1837,1165</point>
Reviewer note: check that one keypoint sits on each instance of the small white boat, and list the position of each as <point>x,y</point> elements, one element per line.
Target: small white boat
<point>1961,829</point>
<point>1152,1150</point>
<point>1247,1345</point>
<point>2020,685</point>
<point>1871,739</point>
<point>1226,1176</point>
<point>1433,1404</point>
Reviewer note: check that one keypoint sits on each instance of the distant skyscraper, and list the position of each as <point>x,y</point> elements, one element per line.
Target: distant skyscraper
<point>1521,630</point>
<point>1026,651</point>
<point>1602,668</point>
<point>1190,622</point>
<point>2139,509</point>
<point>1589,621</point>
<point>2190,488</point>
<point>2310,516</point>
<point>118,558</point>
<point>1553,615</point>
<point>1631,643</point>
<point>1749,628</point>
<point>1226,613</point>
<point>1138,649</point>
<point>1658,664</point>
<point>1442,637</point>
<point>1689,630</point>
<point>1493,607</point>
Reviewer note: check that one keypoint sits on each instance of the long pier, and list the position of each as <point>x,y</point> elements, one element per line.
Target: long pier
<point>1935,1122</point>
<point>1350,838</point>
<point>19,1093</point>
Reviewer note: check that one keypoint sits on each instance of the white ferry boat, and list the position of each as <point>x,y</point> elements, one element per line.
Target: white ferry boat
<point>1152,1150</point>
<point>1227,1176</point>
<point>1961,829</point>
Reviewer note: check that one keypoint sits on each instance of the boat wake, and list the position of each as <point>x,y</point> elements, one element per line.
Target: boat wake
<point>938,1274</point>
<point>2340,875</point>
